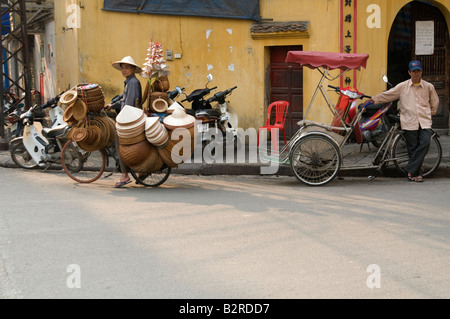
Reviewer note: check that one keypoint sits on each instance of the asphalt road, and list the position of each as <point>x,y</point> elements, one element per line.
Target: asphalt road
<point>223,237</point>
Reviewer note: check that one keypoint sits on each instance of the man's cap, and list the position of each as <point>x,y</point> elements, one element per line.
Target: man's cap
<point>415,65</point>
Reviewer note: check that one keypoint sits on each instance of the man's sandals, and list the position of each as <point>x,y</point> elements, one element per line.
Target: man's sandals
<point>413,178</point>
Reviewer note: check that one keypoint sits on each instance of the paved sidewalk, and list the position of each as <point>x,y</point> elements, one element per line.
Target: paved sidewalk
<point>255,166</point>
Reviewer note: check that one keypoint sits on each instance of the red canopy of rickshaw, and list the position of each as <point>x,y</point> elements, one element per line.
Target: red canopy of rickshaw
<point>328,60</point>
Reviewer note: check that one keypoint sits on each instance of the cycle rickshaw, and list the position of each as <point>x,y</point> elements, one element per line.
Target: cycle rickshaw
<point>317,152</point>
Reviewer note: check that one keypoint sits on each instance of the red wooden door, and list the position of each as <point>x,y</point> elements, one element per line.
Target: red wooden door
<point>286,83</point>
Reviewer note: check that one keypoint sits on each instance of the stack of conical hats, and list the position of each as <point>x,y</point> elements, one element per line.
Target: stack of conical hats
<point>136,151</point>
<point>155,132</point>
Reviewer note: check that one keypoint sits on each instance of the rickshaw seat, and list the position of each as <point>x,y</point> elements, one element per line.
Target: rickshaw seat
<point>281,108</point>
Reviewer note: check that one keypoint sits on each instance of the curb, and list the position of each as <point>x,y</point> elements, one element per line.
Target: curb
<point>255,170</point>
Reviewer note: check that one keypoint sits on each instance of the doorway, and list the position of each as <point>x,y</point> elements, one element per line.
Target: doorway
<point>286,84</point>
<point>402,49</point>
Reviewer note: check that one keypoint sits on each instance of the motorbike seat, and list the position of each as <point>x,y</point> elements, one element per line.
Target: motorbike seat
<point>394,118</point>
<point>190,112</point>
<point>54,131</point>
<point>212,114</point>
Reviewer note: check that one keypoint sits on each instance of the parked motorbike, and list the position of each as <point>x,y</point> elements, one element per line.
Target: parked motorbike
<point>221,118</point>
<point>228,122</point>
<point>40,146</point>
<point>13,107</point>
<point>372,126</point>
<point>172,95</point>
<point>12,102</point>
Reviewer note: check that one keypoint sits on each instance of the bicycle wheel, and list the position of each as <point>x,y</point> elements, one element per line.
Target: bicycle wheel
<point>315,159</point>
<point>154,179</point>
<point>81,166</point>
<point>21,157</point>
<point>431,161</point>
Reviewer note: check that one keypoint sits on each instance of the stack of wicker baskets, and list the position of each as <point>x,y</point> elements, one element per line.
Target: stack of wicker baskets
<point>156,96</point>
<point>92,132</point>
<point>92,95</point>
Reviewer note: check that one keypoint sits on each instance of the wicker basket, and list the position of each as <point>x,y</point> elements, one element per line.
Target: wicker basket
<point>158,90</point>
<point>151,164</point>
<point>135,154</point>
<point>68,116</point>
<point>93,96</point>
<point>162,84</point>
<point>166,155</point>
<point>131,140</point>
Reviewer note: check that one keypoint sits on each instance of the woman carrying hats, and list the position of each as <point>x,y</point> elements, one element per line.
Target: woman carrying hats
<point>132,96</point>
<point>418,101</point>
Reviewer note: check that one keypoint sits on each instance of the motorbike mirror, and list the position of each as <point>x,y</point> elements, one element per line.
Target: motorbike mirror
<point>386,80</point>
<point>210,78</point>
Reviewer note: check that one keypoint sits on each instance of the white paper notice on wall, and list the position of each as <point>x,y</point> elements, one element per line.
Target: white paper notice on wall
<point>424,37</point>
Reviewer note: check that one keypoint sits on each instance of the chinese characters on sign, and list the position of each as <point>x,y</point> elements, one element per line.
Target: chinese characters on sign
<point>348,34</point>
<point>424,37</point>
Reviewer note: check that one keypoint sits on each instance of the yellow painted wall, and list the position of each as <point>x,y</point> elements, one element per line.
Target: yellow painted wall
<point>85,55</point>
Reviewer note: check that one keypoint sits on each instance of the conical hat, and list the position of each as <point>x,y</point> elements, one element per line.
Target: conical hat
<point>175,106</point>
<point>130,115</point>
<point>179,119</point>
<point>151,122</point>
<point>140,125</point>
<point>127,60</point>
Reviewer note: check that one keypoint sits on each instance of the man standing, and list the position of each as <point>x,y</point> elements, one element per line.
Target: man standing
<point>418,101</point>
<point>132,96</point>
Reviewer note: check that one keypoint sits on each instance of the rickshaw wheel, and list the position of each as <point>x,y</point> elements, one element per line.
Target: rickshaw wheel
<point>315,159</point>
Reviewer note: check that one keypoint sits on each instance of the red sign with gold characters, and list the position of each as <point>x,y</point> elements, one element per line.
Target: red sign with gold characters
<point>348,34</point>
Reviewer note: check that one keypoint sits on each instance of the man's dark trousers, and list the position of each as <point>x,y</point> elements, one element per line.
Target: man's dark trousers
<point>417,143</point>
